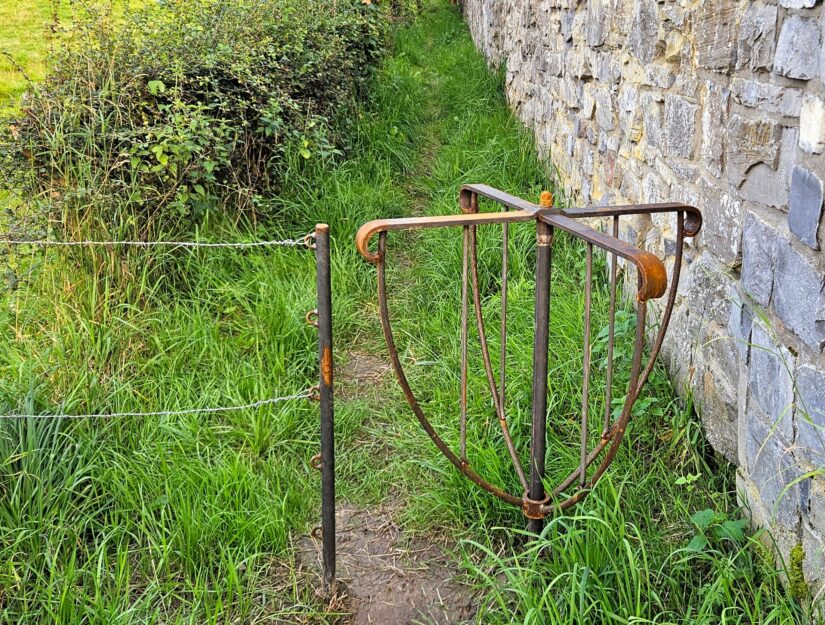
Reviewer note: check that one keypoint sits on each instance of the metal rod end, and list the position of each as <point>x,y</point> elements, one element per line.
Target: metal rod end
<point>321,228</point>
<point>546,200</point>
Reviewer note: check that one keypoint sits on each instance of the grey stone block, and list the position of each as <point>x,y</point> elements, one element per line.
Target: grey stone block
<point>810,415</point>
<point>799,299</point>
<point>768,185</point>
<point>751,141</point>
<point>805,206</point>
<point>644,34</point>
<point>795,51</point>
<point>604,109</point>
<point>596,18</point>
<point>767,97</point>
<point>798,4</point>
<point>740,325</point>
<point>773,472</point>
<point>757,37</point>
<point>771,382</point>
<point>758,257</point>
<point>815,510</point>
<point>714,118</point>
<point>715,32</point>
<point>813,566</point>
<point>717,390</point>
<point>722,221</point>
<point>652,120</point>
<point>812,125</point>
<point>680,125</point>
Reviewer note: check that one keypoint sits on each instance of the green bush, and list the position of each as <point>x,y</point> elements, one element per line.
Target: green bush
<point>155,117</point>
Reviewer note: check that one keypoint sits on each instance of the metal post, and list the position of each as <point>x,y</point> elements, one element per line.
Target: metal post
<point>538,444</point>
<point>324,287</point>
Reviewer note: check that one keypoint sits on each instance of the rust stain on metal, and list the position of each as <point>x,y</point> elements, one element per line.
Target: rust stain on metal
<point>326,366</point>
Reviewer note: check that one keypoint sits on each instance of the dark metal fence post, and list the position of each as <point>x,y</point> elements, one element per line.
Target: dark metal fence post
<point>324,286</point>
<point>538,443</point>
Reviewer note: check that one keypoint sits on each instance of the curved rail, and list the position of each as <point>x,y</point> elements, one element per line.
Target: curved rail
<point>652,283</point>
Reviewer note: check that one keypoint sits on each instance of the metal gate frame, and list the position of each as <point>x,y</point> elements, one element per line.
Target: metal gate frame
<point>652,283</point>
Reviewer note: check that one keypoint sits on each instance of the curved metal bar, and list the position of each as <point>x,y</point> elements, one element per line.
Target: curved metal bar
<point>464,467</point>
<point>649,367</point>
<point>693,219</point>
<point>488,366</point>
<point>671,300</point>
<point>608,435</point>
<point>652,274</point>
<point>618,430</point>
<point>371,228</point>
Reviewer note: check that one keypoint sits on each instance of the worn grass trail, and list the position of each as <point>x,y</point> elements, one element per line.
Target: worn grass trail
<point>195,520</point>
<point>660,540</point>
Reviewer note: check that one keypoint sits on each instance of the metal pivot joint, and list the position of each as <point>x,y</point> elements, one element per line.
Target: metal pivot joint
<point>595,456</point>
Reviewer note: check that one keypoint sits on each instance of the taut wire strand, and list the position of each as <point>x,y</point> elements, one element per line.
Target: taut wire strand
<point>305,394</point>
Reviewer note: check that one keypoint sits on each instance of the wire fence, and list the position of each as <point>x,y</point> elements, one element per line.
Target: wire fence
<point>310,393</point>
<point>307,241</point>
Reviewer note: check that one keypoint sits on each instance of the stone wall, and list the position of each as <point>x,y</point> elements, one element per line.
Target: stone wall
<point>719,104</point>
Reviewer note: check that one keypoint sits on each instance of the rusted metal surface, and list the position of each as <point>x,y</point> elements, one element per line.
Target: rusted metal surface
<point>652,283</point>
<point>326,397</point>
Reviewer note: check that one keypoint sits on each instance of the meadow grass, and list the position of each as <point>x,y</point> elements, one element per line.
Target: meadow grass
<point>27,30</point>
<point>194,519</point>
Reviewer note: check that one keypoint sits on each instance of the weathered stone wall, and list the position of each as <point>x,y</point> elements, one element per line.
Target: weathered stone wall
<point>720,104</point>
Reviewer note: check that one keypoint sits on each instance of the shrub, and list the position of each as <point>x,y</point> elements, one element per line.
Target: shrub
<point>155,117</point>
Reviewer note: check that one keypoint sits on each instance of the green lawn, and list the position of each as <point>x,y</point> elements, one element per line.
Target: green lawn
<point>194,519</point>
<point>26,32</point>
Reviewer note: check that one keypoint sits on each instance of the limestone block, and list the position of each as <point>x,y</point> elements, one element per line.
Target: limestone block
<point>812,125</point>
<point>715,32</point>
<point>805,206</point>
<point>740,324</point>
<point>799,295</point>
<point>798,4</point>
<point>771,380</point>
<point>768,185</point>
<point>751,141</point>
<point>767,97</point>
<point>680,126</point>
<point>758,258</point>
<point>596,28</point>
<point>810,416</point>
<point>757,37</point>
<point>722,223</point>
<point>773,471</point>
<point>714,118</point>
<point>795,51</point>
<point>644,34</point>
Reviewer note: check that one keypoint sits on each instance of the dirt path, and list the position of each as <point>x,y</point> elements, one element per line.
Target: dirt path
<point>385,578</point>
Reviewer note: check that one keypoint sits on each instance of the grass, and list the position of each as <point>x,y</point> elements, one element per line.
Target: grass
<point>193,519</point>
<point>26,31</point>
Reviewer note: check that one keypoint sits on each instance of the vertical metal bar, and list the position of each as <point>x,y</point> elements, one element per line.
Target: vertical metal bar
<point>588,296</point>
<point>505,252</point>
<point>464,331</point>
<point>538,443</point>
<point>611,333</point>
<point>324,287</point>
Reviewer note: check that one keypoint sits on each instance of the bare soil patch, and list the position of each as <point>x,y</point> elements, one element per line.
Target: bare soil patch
<point>389,579</point>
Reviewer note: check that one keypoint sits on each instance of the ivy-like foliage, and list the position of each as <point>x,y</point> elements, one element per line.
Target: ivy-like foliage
<point>155,117</point>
